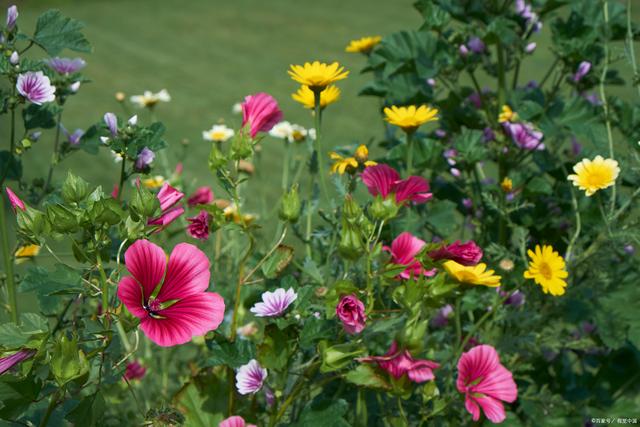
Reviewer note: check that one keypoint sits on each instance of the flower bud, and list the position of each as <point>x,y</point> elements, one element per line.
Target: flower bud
<point>290,205</point>
<point>14,58</point>
<point>73,87</point>
<point>216,159</point>
<point>337,356</point>
<point>74,189</point>
<point>67,361</point>
<point>120,96</point>
<point>351,245</point>
<point>383,209</point>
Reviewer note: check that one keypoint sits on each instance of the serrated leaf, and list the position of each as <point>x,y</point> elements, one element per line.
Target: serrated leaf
<point>234,354</point>
<point>55,32</point>
<point>366,376</point>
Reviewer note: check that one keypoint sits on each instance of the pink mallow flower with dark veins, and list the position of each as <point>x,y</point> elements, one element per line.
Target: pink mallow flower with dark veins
<point>250,377</point>
<point>260,112</point>
<point>400,362</point>
<point>274,303</point>
<point>385,181</point>
<point>404,249</point>
<point>168,197</point>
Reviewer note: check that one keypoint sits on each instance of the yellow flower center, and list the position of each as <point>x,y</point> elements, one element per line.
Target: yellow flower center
<point>217,135</point>
<point>545,270</point>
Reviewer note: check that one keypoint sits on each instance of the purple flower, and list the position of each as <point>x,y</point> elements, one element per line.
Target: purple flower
<point>464,51</point>
<point>467,203</point>
<point>592,98</point>
<point>66,65</point>
<point>530,47</point>
<point>524,135</point>
<point>515,299</point>
<point>36,87</point>
<point>530,17</point>
<point>488,134</point>
<point>476,99</point>
<point>629,249</point>
<point>250,377</point>
<point>476,45</point>
<point>576,147</point>
<point>8,362</point>
<point>134,371</point>
<point>73,138</point>
<point>12,17</point>
<point>112,123</point>
<point>440,133</point>
<point>582,71</point>
<point>531,84</point>
<point>431,82</point>
<point>145,157</point>
<point>441,319</point>
<point>14,58</point>
<point>455,172</point>
<point>274,303</point>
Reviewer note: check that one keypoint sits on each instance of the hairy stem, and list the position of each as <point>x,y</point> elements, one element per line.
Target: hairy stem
<point>603,96</point>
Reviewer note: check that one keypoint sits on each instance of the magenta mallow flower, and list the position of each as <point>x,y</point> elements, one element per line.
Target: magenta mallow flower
<point>12,17</point>
<point>16,202</point>
<point>134,371</point>
<point>350,311</point>
<point>524,135</point>
<point>463,253</point>
<point>250,377</point>
<point>235,421</point>
<point>168,197</point>
<point>441,319</point>
<point>274,303</point>
<point>476,45</point>
<point>485,383</point>
<point>383,180</point>
<point>583,69</point>
<point>398,363</point>
<point>145,158</point>
<point>199,226</point>
<point>66,65</point>
<point>111,121</point>
<point>261,112</point>
<point>36,87</point>
<point>404,249</point>
<point>170,298</point>
<point>8,362</point>
<point>202,196</point>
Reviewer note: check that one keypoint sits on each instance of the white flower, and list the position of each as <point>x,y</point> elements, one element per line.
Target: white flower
<point>282,130</point>
<point>149,99</point>
<point>298,133</point>
<point>217,133</point>
<point>250,377</point>
<point>237,108</point>
<point>104,139</point>
<point>133,120</point>
<point>117,157</point>
<point>312,134</point>
<point>74,86</point>
<point>274,303</point>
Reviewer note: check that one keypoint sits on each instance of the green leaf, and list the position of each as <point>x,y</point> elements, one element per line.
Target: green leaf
<point>469,145</point>
<point>315,330</point>
<point>278,261</point>
<point>366,376</point>
<point>310,268</point>
<point>191,404</point>
<point>49,285</point>
<point>74,188</point>
<point>442,217</point>
<point>12,164</point>
<point>89,411</point>
<point>17,395</point>
<point>40,116</point>
<point>323,416</point>
<point>55,32</point>
<point>234,354</point>
<point>31,327</point>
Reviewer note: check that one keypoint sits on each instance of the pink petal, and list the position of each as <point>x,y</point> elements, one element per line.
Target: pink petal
<point>187,273</point>
<point>492,408</point>
<point>130,293</point>
<point>414,188</point>
<point>146,262</point>
<point>380,179</point>
<point>167,217</point>
<point>422,370</point>
<point>15,201</point>
<point>472,407</point>
<point>499,384</point>
<point>234,421</point>
<point>168,196</point>
<point>480,361</point>
<point>405,247</point>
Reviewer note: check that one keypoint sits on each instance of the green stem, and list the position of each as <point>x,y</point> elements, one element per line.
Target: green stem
<point>53,402</point>
<point>122,178</point>
<point>104,288</point>
<point>501,77</point>
<point>285,165</point>
<point>55,157</point>
<point>549,71</point>
<point>409,159</point>
<point>401,411</point>
<point>317,145</point>
<point>8,265</point>
<point>605,103</point>
<point>576,234</point>
<point>632,53</point>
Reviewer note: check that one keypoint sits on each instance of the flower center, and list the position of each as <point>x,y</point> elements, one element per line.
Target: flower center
<point>545,270</point>
<point>153,307</point>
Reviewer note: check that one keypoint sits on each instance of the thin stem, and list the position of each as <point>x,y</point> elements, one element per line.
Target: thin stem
<point>122,178</point>
<point>409,159</point>
<point>401,411</point>
<point>501,77</point>
<point>317,146</point>
<point>516,73</point>
<point>576,233</point>
<point>632,53</point>
<point>53,402</point>
<point>8,265</point>
<point>603,96</point>
<point>104,289</point>
<point>285,165</point>
<point>549,71</point>
<point>271,251</point>
<point>236,305</point>
<point>55,157</point>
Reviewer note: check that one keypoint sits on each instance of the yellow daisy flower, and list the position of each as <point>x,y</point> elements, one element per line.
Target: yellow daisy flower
<point>411,117</point>
<point>350,164</point>
<point>317,75</point>
<point>507,115</point>
<point>26,252</point>
<point>473,275</point>
<point>506,184</point>
<point>548,270</point>
<point>594,175</point>
<point>153,182</point>
<point>306,97</point>
<point>363,45</point>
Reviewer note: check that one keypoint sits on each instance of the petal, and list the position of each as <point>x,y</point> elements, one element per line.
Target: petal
<point>130,293</point>
<point>480,361</point>
<point>414,188</point>
<point>187,273</point>
<point>146,262</point>
<point>472,407</point>
<point>380,179</point>
<point>498,384</point>
<point>492,408</point>
<point>405,247</point>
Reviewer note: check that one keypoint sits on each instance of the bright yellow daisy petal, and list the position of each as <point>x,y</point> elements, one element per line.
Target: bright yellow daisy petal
<point>548,269</point>
<point>306,97</point>
<point>507,115</point>
<point>363,45</point>
<point>411,117</point>
<point>594,175</point>
<point>473,275</point>
<point>317,75</point>
<point>26,252</point>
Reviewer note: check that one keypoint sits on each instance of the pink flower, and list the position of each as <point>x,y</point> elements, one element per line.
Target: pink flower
<point>134,371</point>
<point>202,196</point>
<point>463,253</point>
<point>168,197</point>
<point>235,421</point>
<point>8,362</point>
<point>350,311</point>
<point>199,226</point>
<point>115,191</point>
<point>485,382</point>
<point>397,363</point>
<point>261,111</point>
<point>384,180</point>
<point>274,303</point>
<point>16,202</point>
<point>250,377</point>
<point>404,249</point>
<point>181,308</point>
<point>36,87</point>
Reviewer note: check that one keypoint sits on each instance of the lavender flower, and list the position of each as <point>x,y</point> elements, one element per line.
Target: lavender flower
<point>524,135</point>
<point>8,362</point>
<point>12,17</point>
<point>73,138</point>
<point>274,303</point>
<point>583,69</point>
<point>66,65</point>
<point>440,133</point>
<point>112,123</point>
<point>531,18</point>
<point>629,249</point>
<point>515,299</point>
<point>576,147</point>
<point>455,172</point>
<point>488,134</point>
<point>467,203</point>
<point>14,59</point>
<point>441,319</point>
<point>145,157</point>
<point>592,98</point>
<point>464,51</point>
<point>36,87</point>
<point>530,47</point>
<point>250,377</point>
<point>431,82</point>
<point>476,45</point>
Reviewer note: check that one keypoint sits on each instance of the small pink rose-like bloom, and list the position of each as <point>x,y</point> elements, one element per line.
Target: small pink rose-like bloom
<point>398,363</point>
<point>404,249</point>
<point>274,303</point>
<point>16,202</point>
<point>134,371</point>
<point>202,196</point>
<point>8,362</point>
<point>235,421</point>
<point>182,308</point>
<point>350,311</point>
<point>250,377</point>
<point>485,383</point>
<point>199,226</point>
<point>383,180</point>
<point>463,253</point>
<point>36,87</point>
<point>168,197</point>
<point>261,112</point>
